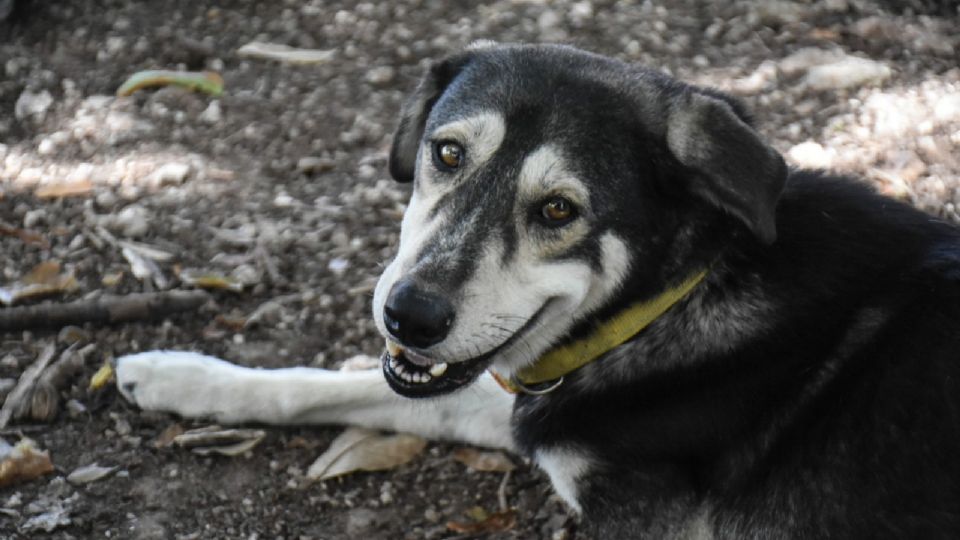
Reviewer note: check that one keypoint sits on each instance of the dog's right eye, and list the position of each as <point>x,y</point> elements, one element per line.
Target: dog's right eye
<point>448,154</point>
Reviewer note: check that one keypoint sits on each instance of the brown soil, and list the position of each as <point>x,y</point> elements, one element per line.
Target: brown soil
<point>282,182</point>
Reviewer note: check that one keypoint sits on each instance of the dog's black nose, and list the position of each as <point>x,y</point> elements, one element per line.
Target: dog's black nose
<point>416,317</point>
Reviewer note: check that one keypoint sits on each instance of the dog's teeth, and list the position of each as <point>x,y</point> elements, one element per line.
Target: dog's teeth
<point>393,363</point>
<point>438,369</point>
<point>397,368</point>
<point>393,349</point>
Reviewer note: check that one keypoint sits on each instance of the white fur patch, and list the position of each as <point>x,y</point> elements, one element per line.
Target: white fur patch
<point>565,468</point>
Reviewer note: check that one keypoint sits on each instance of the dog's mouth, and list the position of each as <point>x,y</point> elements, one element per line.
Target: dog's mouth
<point>415,375</point>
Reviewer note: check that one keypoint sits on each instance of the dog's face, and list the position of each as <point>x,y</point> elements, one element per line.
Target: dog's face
<point>550,186</point>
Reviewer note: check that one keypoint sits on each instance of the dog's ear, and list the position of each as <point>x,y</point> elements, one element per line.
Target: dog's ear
<point>733,168</point>
<point>413,115</point>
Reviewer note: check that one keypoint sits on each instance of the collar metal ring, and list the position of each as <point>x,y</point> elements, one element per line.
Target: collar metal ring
<point>537,391</point>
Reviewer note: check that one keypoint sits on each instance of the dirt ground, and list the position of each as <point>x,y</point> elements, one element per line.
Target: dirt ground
<point>281,184</point>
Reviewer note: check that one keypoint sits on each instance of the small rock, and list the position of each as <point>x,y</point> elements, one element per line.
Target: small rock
<point>105,200</point>
<point>811,155</point>
<point>947,108</point>
<point>362,521</point>
<point>213,114</point>
<point>34,217</point>
<point>338,266</point>
<point>32,105</point>
<point>170,174</point>
<point>849,72</point>
<point>75,408</point>
<point>132,221</point>
<point>381,76</point>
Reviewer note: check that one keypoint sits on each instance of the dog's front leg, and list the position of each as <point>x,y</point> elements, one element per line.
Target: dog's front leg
<point>194,386</point>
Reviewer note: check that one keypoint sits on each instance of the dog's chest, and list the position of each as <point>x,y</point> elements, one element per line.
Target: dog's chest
<point>566,468</point>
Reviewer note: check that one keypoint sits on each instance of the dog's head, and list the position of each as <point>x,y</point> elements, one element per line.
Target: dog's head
<point>551,188</point>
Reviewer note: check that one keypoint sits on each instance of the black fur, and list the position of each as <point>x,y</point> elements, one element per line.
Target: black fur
<point>808,388</point>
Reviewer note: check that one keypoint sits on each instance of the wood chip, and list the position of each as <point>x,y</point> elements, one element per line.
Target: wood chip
<point>486,461</point>
<point>18,398</point>
<point>213,439</point>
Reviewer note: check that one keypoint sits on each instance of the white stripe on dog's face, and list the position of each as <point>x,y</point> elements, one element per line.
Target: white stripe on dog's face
<point>480,135</point>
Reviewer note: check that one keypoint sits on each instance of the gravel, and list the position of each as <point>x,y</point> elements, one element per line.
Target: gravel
<point>281,183</point>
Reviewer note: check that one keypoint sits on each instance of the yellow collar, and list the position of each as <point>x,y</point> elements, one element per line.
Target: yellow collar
<point>556,363</point>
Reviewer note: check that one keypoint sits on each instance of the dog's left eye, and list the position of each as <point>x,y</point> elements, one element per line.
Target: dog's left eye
<point>449,154</point>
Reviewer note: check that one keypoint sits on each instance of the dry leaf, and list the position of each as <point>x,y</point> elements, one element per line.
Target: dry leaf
<point>23,462</point>
<point>25,236</point>
<point>198,278</point>
<point>168,435</point>
<point>102,376</point>
<point>64,189</point>
<point>89,473</point>
<point>284,53</point>
<point>144,268</point>
<point>112,278</point>
<point>486,461</point>
<point>358,449</point>
<point>44,279</point>
<point>497,522</point>
<point>212,439</point>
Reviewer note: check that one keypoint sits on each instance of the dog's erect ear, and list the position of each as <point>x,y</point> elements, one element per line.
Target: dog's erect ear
<point>735,170</point>
<point>413,116</point>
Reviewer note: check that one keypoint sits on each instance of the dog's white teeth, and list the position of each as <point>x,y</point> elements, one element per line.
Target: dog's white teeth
<point>438,369</point>
<point>397,368</point>
<point>393,349</point>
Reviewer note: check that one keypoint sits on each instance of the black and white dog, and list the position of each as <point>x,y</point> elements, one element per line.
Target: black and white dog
<point>693,340</point>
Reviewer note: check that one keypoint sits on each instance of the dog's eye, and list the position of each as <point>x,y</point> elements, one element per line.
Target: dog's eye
<point>449,154</point>
<point>557,211</point>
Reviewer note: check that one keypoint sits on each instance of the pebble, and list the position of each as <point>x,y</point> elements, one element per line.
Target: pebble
<point>213,114</point>
<point>173,173</point>
<point>132,221</point>
<point>34,217</point>
<point>811,154</point>
<point>851,71</point>
<point>381,76</point>
<point>32,105</point>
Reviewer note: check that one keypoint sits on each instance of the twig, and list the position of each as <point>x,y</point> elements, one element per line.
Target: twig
<point>502,492</point>
<point>25,384</point>
<point>107,309</point>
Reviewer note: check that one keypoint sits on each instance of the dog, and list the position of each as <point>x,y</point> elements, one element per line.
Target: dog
<point>692,339</point>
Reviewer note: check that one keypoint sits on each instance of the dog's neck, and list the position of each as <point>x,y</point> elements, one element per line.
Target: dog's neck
<point>548,371</point>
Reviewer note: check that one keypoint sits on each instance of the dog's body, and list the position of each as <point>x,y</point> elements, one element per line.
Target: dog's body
<point>807,387</point>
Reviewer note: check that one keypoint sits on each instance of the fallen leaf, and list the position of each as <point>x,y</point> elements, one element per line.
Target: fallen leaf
<point>64,189</point>
<point>102,376</point>
<point>284,53</point>
<point>358,449</point>
<point>112,278</point>
<point>144,268</point>
<point>197,278</point>
<point>25,236</point>
<point>497,522</point>
<point>43,280</point>
<point>167,436</point>
<point>89,473</point>
<point>23,462</point>
<point>213,439</point>
<point>208,82</point>
<point>486,461</point>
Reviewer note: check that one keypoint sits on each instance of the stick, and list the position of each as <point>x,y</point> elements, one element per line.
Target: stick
<point>107,309</point>
<point>25,384</point>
